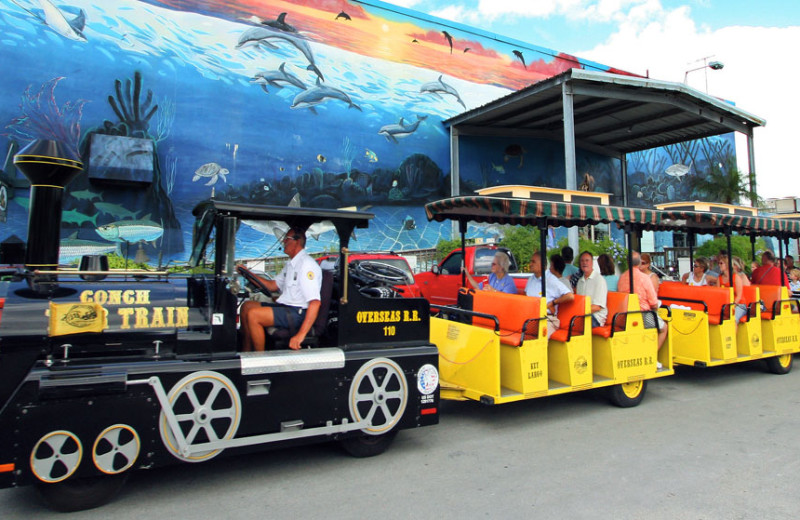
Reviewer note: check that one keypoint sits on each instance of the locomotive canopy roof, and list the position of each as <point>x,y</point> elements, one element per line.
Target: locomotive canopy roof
<point>612,114</point>
<point>503,210</point>
<point>208,212</point>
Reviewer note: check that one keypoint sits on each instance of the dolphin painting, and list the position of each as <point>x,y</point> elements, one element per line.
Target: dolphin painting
<point>440,87</point>
<point>262,36</point>
<point>54,18</point>
<point>275,77</point>
<point>398,131</point>
<point>280,24</point>
<point>319,94</point>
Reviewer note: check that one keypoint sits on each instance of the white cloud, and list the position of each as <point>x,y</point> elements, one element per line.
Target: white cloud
<point>756,77</point>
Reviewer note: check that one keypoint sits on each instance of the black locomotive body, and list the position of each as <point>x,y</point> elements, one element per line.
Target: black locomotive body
<point>105,372</point>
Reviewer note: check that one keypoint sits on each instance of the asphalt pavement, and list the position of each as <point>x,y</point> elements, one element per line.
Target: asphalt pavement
<point>713,443</point>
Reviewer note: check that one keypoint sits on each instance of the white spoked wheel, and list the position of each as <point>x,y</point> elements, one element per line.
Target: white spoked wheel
<point>207,408</point>
<point>56,456</point>
<point>378,395</point>
<point>116,449</point>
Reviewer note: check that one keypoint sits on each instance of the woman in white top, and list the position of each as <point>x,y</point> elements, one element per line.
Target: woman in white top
<point>698,274</point>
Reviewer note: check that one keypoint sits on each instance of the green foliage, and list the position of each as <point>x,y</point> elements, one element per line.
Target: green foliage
<point>522,241</point>
<point>617,251</point>
<point>721,183</point>
<point>443,247</point>
<point>118,262</point>
<point>740,246</point>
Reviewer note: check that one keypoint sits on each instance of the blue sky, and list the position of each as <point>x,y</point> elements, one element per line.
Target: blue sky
<point>665,38</point>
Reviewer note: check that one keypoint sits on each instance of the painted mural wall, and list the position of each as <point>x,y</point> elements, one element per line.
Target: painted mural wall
<point>321,103</point>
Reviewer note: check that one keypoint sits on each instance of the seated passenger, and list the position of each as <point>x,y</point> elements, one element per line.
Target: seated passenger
<point>593,285</point>
<point>299,281</point>
<point>498,278</point>
<point>645,268</point>
<point>768,273</point>
<point>699,274</point>
<point>739,279</point>
<point>608,271</point>
<point>648,299</point>
<point>557,267</point>
<point>557,292</point>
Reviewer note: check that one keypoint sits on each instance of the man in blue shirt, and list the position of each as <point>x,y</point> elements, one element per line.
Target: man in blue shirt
<point>557,292</point>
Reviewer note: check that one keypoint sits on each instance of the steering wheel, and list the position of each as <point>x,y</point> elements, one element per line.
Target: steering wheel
<point>371,271</point>
<point>254,280</point>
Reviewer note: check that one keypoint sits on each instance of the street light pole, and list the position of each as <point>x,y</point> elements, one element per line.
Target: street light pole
<point>714,65</point>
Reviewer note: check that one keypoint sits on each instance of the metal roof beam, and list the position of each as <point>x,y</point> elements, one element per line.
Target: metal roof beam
<point>629,123</point>
<point>656,131</point>
<point>707,111</point>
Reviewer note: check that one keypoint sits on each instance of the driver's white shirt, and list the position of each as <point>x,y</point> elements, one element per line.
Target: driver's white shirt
<point>300,281</point>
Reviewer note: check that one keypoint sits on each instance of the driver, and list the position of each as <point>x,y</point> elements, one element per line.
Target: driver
<point>299,283</point>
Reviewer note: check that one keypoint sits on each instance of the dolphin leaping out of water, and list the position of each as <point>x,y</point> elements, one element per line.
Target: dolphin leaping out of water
<point>398,131</point>
<point>440,87</point>
<point>54,18</point>
<point>262,36</point>
<point>319,94</point>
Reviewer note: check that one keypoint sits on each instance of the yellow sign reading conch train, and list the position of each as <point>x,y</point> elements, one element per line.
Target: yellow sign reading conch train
<point>76,318</point>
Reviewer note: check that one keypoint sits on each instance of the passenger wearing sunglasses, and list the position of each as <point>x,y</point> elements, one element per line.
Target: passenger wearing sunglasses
<point>499,280</point>
<point>699,275</point>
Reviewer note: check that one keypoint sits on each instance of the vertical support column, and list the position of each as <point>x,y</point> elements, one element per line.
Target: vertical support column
<point>623,167</point>
<point>455,174</point>
<point>751,166</point>
<point>570,168</point>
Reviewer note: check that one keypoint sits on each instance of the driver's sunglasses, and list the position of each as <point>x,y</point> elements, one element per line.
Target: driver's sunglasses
<point>290,237</point>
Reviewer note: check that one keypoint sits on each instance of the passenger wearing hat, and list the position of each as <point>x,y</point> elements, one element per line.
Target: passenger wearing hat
<point>299,282</point>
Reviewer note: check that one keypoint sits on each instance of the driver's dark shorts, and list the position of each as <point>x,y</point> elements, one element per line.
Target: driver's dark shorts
<point>287,317</point>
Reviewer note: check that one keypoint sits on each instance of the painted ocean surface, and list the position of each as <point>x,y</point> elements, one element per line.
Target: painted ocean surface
<point>211,110</point>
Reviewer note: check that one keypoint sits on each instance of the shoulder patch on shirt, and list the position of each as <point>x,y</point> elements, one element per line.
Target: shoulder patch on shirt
<point>310,275</point>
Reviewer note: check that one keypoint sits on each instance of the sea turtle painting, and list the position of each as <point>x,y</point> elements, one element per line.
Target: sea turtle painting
<point>212,171</point>
<point>514,150</point>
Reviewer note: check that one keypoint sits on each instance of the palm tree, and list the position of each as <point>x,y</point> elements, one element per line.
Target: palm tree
<point>722,183</point>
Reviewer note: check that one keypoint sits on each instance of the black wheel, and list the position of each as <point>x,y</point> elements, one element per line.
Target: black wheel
<point>81,493</point>
<point>627,395</point>
<point>368,445</point>
<point>780,364</point>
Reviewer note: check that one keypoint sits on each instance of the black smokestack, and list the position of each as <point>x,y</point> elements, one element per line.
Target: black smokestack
<point>49,167</point>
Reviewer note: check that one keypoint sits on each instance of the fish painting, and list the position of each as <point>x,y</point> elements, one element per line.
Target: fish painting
<point>438,87</point>
<point>370,155</point>
<point>115,210</point>
<point>76,217</point>
<point>400,130</point>
<point>498,168</point>
<point>144,230</point>
<point>56,19</point>
<point>86,195</point>
<point>212,171</point>
<point>678,170</point>
<point>73,247</point>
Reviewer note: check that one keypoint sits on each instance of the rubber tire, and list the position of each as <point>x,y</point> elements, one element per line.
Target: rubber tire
<point>618,397</point>
<point>367,445</point>
<point>81,493</point>
<point>774,365</point>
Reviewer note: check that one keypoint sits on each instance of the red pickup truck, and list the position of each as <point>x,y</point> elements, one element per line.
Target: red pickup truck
<point>440,285</point>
